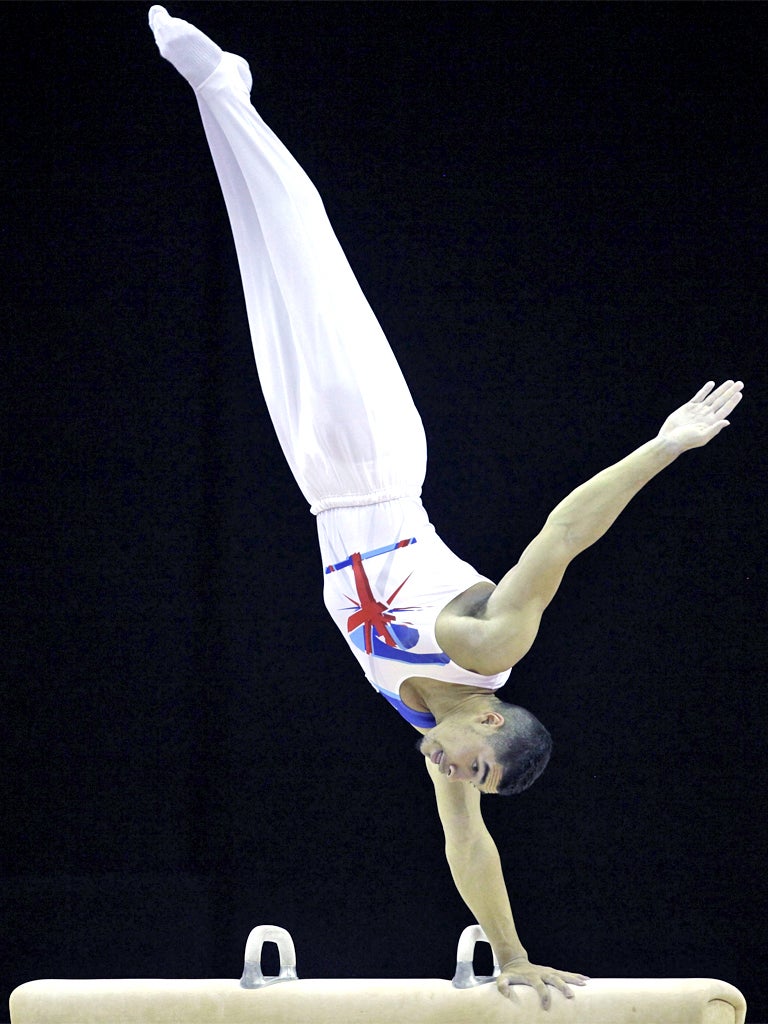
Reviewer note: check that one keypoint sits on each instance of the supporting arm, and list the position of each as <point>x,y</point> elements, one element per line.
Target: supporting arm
<point>477,874</point>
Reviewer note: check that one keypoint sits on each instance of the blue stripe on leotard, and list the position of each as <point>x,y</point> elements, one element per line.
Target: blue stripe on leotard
<point>421,719</point>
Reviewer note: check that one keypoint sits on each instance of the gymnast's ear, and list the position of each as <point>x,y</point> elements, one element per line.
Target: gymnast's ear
<point>493,718</point>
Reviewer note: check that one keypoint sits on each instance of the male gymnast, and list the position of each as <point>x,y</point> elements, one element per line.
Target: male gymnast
<point>434,637</point>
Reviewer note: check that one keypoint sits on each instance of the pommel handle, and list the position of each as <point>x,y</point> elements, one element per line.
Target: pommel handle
<point>465,970</point>
<point>252,974</point>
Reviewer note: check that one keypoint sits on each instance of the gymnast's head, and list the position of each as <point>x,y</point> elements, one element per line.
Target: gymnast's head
<point>497,747</point>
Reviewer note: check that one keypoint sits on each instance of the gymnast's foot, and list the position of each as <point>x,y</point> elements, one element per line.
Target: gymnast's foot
<point>192,53</point>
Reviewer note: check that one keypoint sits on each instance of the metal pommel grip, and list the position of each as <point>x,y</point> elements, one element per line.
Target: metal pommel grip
<point>465,970</point>
<point>252,974</point>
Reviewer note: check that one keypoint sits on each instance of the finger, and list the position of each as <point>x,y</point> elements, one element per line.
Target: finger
<point>702,394</point>
<point>560,985</point>
<point>715,430</point>
<point>724,393</point>
<point>714,399</point>
<point>505,986</point>
<point>730,400</point>
<point>536,983</point>
<point>707,433</point>
<point>544,994</point>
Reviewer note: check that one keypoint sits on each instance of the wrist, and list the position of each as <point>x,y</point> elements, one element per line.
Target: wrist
<point>666,448</point>
<point>512,959</point>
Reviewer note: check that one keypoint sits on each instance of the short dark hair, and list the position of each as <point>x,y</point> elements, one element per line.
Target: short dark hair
<point>522,746</point>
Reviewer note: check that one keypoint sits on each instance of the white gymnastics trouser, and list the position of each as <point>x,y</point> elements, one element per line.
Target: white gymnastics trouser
<point>340,406</point>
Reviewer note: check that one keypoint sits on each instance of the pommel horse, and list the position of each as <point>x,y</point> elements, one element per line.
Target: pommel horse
<point>286,999</point>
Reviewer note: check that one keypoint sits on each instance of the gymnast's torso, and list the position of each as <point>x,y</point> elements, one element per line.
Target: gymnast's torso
<point>387,577</point>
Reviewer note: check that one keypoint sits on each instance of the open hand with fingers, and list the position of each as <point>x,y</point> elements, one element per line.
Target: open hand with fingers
<point>543,979</point>
<point>701,419</point>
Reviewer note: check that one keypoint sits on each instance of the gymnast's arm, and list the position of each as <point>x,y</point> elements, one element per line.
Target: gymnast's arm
<point>476,869</point>
<point>501,632</point>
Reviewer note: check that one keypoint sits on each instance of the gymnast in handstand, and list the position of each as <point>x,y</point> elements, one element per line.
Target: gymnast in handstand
<point>434,637</point>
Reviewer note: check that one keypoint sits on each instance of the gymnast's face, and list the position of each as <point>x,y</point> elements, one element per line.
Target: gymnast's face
<point>462,751</point>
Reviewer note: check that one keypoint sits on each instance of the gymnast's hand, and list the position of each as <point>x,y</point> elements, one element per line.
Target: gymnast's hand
<point>701,419</point>
<point>522,972</point>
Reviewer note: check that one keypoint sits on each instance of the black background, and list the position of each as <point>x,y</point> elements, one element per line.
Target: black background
<point>558,214</point>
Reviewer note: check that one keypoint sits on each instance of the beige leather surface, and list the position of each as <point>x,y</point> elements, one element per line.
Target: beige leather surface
<point>411,1001</point>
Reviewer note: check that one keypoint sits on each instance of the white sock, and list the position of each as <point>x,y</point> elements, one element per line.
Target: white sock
<point>191,52</point>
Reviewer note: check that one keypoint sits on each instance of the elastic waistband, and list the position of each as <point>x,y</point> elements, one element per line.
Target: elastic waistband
<point>362,500</point>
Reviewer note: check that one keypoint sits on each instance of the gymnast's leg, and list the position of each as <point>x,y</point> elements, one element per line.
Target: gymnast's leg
<point>340,405</point>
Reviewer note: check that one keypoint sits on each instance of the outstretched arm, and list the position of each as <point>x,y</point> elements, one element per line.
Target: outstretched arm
<point>505,629</point>
<point>476,870</point>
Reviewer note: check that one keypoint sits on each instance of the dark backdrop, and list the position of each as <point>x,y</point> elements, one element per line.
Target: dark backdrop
<point>558,214</point>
